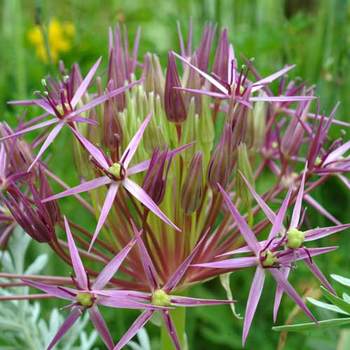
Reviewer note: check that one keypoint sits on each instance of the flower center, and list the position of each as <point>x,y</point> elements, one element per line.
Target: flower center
<point>63,109</point>
<point>268,258</point>
<point>85,299</point>
<point>117,171</point>
<point>295,238</point>
<point>160,298</point>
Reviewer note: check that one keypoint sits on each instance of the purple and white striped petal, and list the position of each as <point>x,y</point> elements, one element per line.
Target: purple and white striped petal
<point>83,187</point>
<point>337,153</point>
<point>112,267</point>
<point>95,152</point>
<point>253,300</point>
<point>287,287</point>
<point>29,129</point>
<point>317,233</point>
<point>101,326</point>
<point>279,293</point>
<point>194,302</point>
<point>49,289</point>
<point>297,206</point>
<point>81,90</point>
<point>77,264</point>
<point>107,205</point>
<point>245,230</point>
<point>134,143</point>
<point>135,327</point>
<point>139,193</point>
<point>67,324</point>
<point>124,302</point>
<point>231,264</point>
<point>319,275</point>
<point>281,98</point>
<point>50,138</point>
<point>2,161</point>
<point>169,324</point>
<point>303,253</point>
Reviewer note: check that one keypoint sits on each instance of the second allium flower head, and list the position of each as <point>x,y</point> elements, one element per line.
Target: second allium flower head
<point>147,154</point>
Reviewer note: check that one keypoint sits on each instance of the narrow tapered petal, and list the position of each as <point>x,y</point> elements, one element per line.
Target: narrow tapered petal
<point>107,205</point>
<point>101,327</point>
<point>134,143</point>
<point>2,161</point>
<point>95,152</point>
<point>281,98</point>
<point>253,300</point>
<point>29,129</point>
<point>126,303</point>
<point>83,120</point>
<point>287,287</point>
<point>297,206</point>
<point>337,153</point>
<point>319,275</point>
<point>112,267</point>
<point>181,270</point>
<point>169,324</point>
<point>263,205</point>
<point>245,230</point>
<point>206,76</point>
<point>67,324</point>
<point>203,92</point>
<point>237,263</point>
<point>321,209</point>
<point>50,138</point>
<point>49,289</point>
<point>317,233</point>
<point>270,78</point>
<point>84,187</point>
<point>77,264</point>
<point>279,293</point>
<point>194,302</point>
<point>135,327</point>
<point>81,90</point>
<point>304,253</point>
<point>277,226</point>
<point>146,200</point>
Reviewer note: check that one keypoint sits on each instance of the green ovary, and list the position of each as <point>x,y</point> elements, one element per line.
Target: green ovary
<point>160,298</point>
<point>295,238</point>
<point>85,299</point>
<point>268,259</point>
<point>115,170</point>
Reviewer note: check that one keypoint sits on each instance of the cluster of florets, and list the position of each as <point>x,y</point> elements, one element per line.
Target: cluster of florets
<point>163,156</point>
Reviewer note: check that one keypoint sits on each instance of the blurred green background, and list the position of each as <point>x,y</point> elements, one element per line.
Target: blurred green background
<point>313,34</point>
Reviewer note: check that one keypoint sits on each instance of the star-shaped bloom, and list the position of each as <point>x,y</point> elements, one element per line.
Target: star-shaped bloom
<point>234,86</point>
<point>61,103</point>
<point>161,297</point>
<point>87,297</point>
<point>267,257</point>
<point>293,238</point>
<point>116,175</point>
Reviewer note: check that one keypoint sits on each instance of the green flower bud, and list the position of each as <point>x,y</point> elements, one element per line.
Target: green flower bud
<point>295,238</point>
<point>85,299</point>
<point>160,298</point>
<point>117,170</point>
<point>268,258</point>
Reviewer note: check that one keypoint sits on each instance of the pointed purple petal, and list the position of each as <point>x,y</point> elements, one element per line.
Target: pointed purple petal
<point>49,289</point>
<point>83,120</point>
<point>31,128</point>
<point>253,300</point>
<point>2,161</point>
<point>237,263</point>
<point>67,324</point>
<point>135,327</point>
<point>321,209</point>
<point>139,193</point>
<point>245,230</point>
<point>337,153</point>
<point>281,98</point>
<point>270,78</point>
<point>194,302</point>
<point>279,293</point>
<point>319,275</point>
<point>287,287</point>
<point>125,303</point>
<point>203,92</point>
<point>84,187</point>
<point>297,206</point>
<point>50,138</point>
<point>77,264</point>
<point>304,253</point>
<point>318,233</point>
<point>96,153</point>
<point>101,327</point>
<point>85,84</point>
<point>206,76</point>
<point>171,329</point>
<point>112,267</point>
<point>134,143</point>
<point>107,205</point>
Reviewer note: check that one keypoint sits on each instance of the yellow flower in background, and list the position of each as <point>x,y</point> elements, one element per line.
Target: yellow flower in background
<point>60,35</point>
